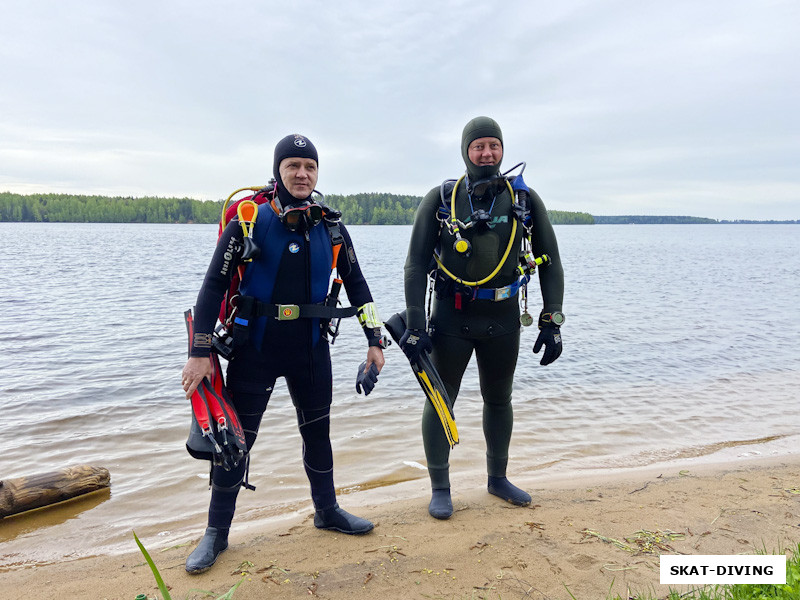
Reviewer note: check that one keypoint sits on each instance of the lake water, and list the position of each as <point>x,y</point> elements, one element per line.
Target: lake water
<point>681,341</point>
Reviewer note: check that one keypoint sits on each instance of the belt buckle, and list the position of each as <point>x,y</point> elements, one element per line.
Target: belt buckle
<point>502,293</point>
<point>288,312</point>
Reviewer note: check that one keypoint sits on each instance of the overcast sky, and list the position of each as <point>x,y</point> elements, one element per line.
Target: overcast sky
<point>617,106</point>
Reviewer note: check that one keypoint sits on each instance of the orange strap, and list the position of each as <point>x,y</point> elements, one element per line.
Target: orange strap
<point>336,249</point>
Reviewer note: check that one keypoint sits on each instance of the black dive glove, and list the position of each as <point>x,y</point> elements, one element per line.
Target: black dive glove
<point>550,338</point>
<point>366,380</point>
<point>414,342</point>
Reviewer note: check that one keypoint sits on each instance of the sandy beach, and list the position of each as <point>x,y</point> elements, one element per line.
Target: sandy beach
<point>586,536</point>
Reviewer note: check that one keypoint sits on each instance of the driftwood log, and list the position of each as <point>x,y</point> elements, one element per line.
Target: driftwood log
<point>35,491</point>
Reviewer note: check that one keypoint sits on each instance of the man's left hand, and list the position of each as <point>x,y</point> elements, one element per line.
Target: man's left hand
<point>550,338</point>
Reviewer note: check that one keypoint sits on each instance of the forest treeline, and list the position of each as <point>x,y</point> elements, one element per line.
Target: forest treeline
<point>375,208</point>
<point>66,208</point>
<point>649,220</point>
<point>673,220</point>
<point>357,209</point>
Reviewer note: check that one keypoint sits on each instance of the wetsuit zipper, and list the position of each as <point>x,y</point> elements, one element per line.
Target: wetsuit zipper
<point>310,322</point>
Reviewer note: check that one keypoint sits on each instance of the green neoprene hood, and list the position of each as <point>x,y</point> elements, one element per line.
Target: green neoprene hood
<point>477,128</point>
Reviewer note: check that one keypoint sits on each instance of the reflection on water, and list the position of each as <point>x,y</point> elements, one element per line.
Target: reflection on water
<point>50,516</point>
<point>662,360</point>
<point>650,457</point>
<point>400,476</point>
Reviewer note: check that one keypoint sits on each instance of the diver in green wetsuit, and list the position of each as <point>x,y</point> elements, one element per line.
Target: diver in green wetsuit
<point>482,233</point>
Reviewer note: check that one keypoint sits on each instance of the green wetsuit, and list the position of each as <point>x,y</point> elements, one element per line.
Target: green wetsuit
<point>489,328</point>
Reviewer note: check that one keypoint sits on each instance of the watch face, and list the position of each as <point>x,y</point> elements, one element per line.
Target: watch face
<point>557,319</point>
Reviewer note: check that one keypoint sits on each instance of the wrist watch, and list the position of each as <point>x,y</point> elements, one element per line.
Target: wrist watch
<point>555,318</point>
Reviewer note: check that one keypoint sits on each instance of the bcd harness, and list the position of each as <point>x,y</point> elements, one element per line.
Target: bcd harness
<point>465,291</point>
<point>240,311</point>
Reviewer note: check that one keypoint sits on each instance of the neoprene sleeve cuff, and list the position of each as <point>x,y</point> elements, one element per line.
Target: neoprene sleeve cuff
<point>415,318</point>
<point>200,352</point>
<point>374,335</point>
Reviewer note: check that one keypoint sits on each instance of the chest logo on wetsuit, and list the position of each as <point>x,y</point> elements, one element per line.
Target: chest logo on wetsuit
<point>495,220</point>
<point>294,247</point>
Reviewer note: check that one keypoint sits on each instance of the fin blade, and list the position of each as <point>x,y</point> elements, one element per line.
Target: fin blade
<point>429,380</point>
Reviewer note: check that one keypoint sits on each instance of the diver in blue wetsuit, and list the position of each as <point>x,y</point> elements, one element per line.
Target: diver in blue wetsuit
<point>285,288</point>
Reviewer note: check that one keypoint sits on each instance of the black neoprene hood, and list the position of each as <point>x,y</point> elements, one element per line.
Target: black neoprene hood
<point>479,127</point>
<point>292,146</point>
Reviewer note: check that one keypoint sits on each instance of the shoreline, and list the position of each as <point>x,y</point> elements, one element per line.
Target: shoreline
<point>73,530</point>
<point>488,549</point>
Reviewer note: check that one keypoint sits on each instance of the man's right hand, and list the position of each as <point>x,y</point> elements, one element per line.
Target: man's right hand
<point>196,368</point>
<point>414,342</point>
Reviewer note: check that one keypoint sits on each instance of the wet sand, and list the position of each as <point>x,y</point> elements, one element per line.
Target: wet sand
<point>589,536</point>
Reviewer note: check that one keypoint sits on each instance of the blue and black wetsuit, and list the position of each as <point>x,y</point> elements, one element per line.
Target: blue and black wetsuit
<point>293,268</point>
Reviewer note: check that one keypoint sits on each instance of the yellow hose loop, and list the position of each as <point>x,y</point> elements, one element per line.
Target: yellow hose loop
<point>453,218</point>
<point>499,266</point>
<point>247,210</point>
<point>222,220</point>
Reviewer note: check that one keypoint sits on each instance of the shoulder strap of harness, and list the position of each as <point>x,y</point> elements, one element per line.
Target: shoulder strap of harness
<point>445,191</point>
<point>523,205</point>
<point>332,219</point>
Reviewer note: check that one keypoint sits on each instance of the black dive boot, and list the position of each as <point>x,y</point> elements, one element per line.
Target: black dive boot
<point>340,520</point>
<point>214,542</point>
<point>441,506</point>
<point>503,488</point>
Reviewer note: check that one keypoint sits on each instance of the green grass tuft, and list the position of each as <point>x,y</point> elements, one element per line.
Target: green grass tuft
<point>159,581</point>
<point>163,587</point>
<point>744,591</point>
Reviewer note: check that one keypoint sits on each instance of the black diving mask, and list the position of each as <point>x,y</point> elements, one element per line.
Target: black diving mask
<point>306,215</point>
<point>493,186</point>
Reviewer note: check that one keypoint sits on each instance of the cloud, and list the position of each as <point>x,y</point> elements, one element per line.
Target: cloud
<point>607,102</point>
